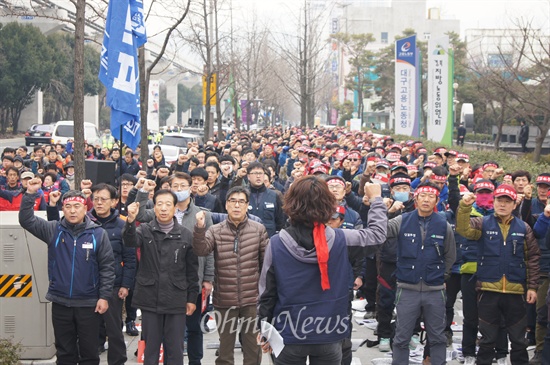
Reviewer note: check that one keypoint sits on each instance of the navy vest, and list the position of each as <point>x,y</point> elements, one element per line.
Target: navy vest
<point>304,313</point>
<point>497,257</point>
<point>73,270</point>
<point>263,205</point>
<point>419,259</point>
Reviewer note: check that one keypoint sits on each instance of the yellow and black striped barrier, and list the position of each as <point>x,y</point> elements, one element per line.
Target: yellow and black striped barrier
<point>15,286</point>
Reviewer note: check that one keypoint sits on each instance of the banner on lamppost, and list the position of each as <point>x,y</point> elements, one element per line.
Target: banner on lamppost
<point>407,90</point>
<point>153,109</point>
<point>440,92</point>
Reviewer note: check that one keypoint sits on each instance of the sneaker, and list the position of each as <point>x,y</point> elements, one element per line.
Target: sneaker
<point>384,345</point>
<point>414,343</point>
<point>131,329</point>
<point>536,359</point>
<point>469,360</point>
<point>369,315</point>
<point>501,361</point>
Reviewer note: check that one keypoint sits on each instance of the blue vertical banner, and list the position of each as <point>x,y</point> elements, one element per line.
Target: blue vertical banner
<point>119,71</point>
<point>407,81</point>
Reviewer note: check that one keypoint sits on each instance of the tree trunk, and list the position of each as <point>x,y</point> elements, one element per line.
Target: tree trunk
<point>78,101</point>
<point>543,129</point>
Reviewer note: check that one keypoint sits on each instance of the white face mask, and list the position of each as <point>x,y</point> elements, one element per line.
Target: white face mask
<point>182,195</point>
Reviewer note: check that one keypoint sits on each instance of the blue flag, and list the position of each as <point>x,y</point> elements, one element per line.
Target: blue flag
<point>119,72</point>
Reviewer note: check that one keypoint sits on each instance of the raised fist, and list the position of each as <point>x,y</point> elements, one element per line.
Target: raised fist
<point>34,185</point>
<point>201,219</point>
<point>86,184</point>
<point>132,210</point>
<point>469,198</point>
<point>54,197</point>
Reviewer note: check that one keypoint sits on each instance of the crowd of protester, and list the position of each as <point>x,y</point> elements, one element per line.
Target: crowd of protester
<point>244,217</point>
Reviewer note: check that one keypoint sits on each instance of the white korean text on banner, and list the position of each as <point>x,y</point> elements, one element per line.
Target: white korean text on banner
<point>440,92</point>
<point>407,96</point>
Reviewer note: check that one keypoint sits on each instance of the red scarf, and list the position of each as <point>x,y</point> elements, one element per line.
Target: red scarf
<point>321,246</point>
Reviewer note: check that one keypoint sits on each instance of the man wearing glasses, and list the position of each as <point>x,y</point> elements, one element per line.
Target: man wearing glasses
<point>238,244</point>
<point>264,203</point>
<point>75,245</point>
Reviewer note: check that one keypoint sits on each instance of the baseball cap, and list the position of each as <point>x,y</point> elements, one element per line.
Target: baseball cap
<point>484,184</point>
<point>429,165</point>
<point>27,175</point>
<point>398,164</point>
<point>506,190</point>
<point>462,156</point>
<point>399,179</point>
<point>383,163</point>
<point>543,179</point>
<point>339,213</point>
<point>451,153</point>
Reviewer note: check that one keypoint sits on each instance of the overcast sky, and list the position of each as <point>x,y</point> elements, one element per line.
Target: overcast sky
<point>471,13</point>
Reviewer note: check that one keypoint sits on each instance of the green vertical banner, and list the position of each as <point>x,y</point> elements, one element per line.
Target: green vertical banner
<point>440,91</point>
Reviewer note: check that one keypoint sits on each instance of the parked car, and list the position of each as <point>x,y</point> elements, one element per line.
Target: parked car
<point>180,140</point>
<point>39,134</point>
<point>171,153</point>
<point>64,130</point>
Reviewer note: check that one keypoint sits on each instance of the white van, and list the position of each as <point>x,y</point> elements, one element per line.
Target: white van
<point>64,130</point>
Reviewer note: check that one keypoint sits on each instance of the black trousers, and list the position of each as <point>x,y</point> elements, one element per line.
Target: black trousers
<point>452,286</point>
<point>76,331</point>
<point>471,320</point>
<point>116,355</point>
<point>492,307</point>
<point>168,329</point>
<point>369,285</point>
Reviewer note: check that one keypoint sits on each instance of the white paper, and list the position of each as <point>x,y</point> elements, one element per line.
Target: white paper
<point>273,337</point>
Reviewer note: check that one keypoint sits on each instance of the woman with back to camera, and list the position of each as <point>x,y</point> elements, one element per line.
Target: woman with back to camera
<point>305,277</point>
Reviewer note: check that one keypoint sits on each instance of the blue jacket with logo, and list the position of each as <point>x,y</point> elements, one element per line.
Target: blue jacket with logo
<point>421,258</point>
<point>80,257</point>
<point>498,256</point>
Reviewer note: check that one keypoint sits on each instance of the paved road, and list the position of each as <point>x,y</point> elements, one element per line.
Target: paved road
<point>11,142</point>
<point>362,356</point>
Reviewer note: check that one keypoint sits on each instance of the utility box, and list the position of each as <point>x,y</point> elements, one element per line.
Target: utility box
<point>25,314</point>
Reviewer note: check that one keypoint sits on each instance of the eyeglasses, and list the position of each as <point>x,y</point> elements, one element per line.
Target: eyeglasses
<point>126,184</point>
<point>98,199</point>
<point>177,186</point>
<point>237,201</point>
<point>257,173</point>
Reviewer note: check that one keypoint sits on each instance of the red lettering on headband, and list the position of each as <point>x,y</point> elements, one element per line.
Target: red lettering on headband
<point>77,199</point>
<point>426,189</point>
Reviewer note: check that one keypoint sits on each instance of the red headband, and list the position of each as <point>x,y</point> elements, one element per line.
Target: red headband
<point>543,180</point>
<point>336,181</point>
<point>426,189</point>
<point>440,178</point>
<point>77,199</point>
<point>489,165</point>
